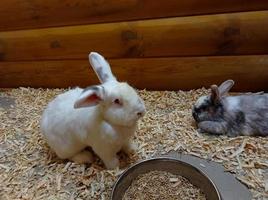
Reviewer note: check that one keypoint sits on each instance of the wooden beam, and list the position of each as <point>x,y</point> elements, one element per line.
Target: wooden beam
<point>224,34</point>
<point>249,72</point>
<point>17,14</point>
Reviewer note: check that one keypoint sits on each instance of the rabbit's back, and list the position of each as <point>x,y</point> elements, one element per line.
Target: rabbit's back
<point>59,122</point>
<point>60,109</point>
<point>255,110</point>
<point>254,102</point>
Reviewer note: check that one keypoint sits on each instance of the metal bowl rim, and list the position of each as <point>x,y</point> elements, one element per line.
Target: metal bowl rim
<point>162,158</point>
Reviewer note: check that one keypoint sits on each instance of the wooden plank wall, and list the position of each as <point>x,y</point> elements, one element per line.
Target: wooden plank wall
<point>165,45</point>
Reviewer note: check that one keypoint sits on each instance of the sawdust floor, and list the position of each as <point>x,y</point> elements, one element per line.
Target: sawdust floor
<point>29,170</point>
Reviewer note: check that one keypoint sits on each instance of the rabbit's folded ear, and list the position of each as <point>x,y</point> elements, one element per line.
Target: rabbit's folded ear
<point>90,96</point>
<point>101,67</point>
<point>215,95</point>
<point>225,87</point>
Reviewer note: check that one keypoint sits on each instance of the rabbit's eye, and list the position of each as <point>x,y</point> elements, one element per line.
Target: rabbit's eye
<point>117,101</point>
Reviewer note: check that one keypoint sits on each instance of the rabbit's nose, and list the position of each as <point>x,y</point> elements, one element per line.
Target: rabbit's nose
<point>141,113</point>
<point>195,116</point>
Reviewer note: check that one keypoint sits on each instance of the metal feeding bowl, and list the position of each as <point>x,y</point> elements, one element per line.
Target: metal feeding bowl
<point>177,167</point>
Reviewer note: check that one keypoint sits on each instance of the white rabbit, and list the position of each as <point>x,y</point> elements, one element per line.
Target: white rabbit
<point>103,117</point>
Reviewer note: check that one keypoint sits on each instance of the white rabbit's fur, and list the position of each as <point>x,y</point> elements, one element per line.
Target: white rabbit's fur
<point>102,117</point>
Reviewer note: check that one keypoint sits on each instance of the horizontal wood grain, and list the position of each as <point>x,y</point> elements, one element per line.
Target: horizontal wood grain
<point>17,14</point>
<point>249,72</point>
<point>223,34</point>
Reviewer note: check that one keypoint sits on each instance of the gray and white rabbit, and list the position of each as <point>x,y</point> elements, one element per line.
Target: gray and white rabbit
<point>220,114</point>
<point>103,117</point>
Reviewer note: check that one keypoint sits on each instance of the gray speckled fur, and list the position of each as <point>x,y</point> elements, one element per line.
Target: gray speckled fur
<point>248,116</point>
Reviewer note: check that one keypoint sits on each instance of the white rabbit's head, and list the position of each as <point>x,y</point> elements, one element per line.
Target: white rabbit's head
<point>119,103</point>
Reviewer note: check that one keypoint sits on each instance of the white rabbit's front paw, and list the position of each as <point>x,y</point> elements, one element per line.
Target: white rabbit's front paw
<point>129,148</point>
<point>112,164</point>
<point>83,157</point>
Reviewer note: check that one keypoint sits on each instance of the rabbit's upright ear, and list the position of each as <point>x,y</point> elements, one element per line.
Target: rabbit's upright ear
<point>225,87</point>
<point>90,96</point>
<point>101,67</point>
<point>215,95</point>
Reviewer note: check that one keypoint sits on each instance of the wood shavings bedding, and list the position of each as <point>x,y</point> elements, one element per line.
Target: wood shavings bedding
<point>162,185</point>
<point>29,170</point>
